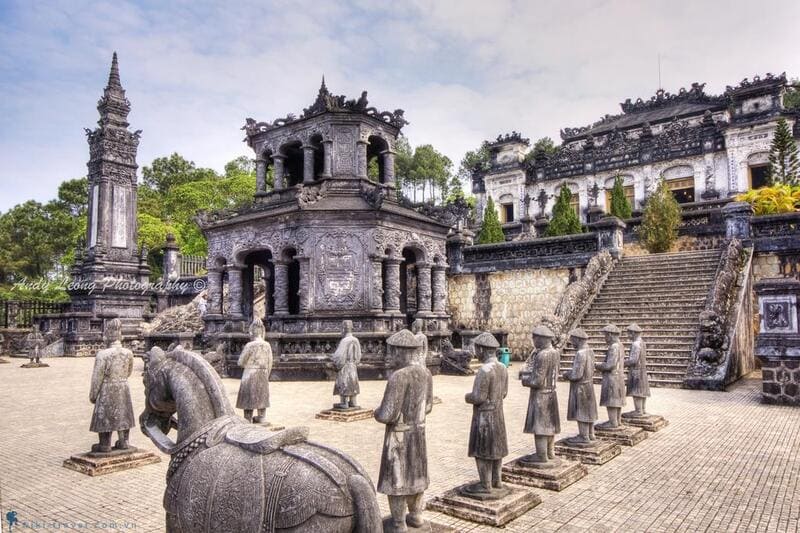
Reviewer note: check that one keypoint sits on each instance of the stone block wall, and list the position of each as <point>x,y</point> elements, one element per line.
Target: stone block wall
<point>512,300</point>
<point>781,381</point>
<point>684,243</point>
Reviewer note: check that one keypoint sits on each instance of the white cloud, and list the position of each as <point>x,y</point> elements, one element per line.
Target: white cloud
<point>463,71</point>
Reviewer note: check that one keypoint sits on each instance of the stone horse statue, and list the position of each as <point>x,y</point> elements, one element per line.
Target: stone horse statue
<point>228,475</point>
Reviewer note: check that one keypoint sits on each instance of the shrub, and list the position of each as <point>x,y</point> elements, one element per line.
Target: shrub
<point>660,221</point>
<point>773,200</point>
<point>565,220</point>
<point>491,230</point>
<point>784,163</point>
<point>619,204</point>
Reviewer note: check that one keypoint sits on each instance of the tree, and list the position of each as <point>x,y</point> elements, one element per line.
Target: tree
<point>619,203</point>
<point>166,172</point>
<point>784,166</point>
<point>478,160</point>
<point>431,169</point>
<point>660,221</point>
<point>565,220</point>
<point>791,100</point>
<point>491,230</point>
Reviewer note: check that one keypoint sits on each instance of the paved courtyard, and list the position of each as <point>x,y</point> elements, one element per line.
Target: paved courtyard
<point>725,463</point>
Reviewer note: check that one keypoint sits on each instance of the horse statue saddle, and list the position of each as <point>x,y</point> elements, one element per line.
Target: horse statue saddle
<point>260,440</point>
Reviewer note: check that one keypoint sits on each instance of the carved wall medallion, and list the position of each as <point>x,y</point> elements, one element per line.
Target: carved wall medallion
<point>339,270</point>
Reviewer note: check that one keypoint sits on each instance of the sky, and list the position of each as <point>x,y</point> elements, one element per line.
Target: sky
<point>463,70</point>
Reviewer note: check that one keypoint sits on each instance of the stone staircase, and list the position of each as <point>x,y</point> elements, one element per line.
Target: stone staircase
<point>664,294</point>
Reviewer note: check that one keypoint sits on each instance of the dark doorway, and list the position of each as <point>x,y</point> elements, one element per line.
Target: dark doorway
<point>257,284</point>
<point>408,284</point>
<point>759,176</point>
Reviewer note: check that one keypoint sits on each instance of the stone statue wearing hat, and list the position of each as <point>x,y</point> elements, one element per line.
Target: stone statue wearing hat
<point>540,372</point>
<point>110,394</point>
<point>612,390</point>
<point>488,443</point>
<point>346,359</point>
<point>34,342</point>
<point>636,363</point>
<point>582,406</point>
<point>416,329</point>
<point>256,360</point>
<point>407,400</point>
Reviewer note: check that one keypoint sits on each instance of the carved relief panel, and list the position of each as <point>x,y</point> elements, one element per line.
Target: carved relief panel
<point>344,149</point>
<point>339,262</point>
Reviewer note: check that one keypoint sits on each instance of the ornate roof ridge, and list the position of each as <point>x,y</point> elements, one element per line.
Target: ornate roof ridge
<point>328,102</point>
<point>768,80</point>
<point>514,136</point>
<point>662,98</point>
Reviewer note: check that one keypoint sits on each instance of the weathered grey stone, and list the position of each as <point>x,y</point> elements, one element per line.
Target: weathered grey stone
<point>539,374</point>
<point>98,464</point>
<point>612,390</point>
<point>345,360</point>
<point>495,512</point>
<point>228,475</point>
<point>622,434</point>
<point>557,474</point>
<point>407,400</point>
<point>636,363</point>
<point>596,452</point>
<point>647,422</point>
<point>256,360</point>
<point>582,406</point>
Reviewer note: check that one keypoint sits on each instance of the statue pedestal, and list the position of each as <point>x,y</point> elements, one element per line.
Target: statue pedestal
<point>4,361</point>
<point>623,435</point>
<point>651,423</point>
<point>597,452</point>
<point>428,527</point>
<point>34,365</point>
<point>270,426</point>
<point>496,510</point>
<point>436,400</point>
<point>345,415</point>
<point>98,464</point>
<point>556,475</point>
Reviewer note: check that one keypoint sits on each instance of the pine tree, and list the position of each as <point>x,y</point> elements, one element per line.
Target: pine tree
<point>565,220</point>
<point>784,166</point>
<point>619,204</point>
<point>491,230</point>
<point>660,221</point>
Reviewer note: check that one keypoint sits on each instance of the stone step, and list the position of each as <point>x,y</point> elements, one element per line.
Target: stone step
<point>688,327</point>
<point>596,338</point>
<point>636,307</point>
<point>678,288</point>
<point>653,361</point>
<point>683,344</point>
<point>708,266</point>
<point>699,254</point>
<point>659,280</point>
<point>688,298</point>
<point>680,284</point>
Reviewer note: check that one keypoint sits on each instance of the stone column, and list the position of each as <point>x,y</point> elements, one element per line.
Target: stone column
<point>737,220</point>
<point>170,265</point>
<point>235,290</point>
<point>609,232</point>
<point>214,306</point>
<point>439,288</point>
<point>392,296</point>
<point>361,159</point>
<point>261,175</point>
<point>281,287</point>
<point>308,163</point>
<point>376,299</point>
<point>279,160</point>
<point>327,158</point>
<point>423,288</point>
<point>305,287</point>
<point>103,213</point>
<point>388,167</point>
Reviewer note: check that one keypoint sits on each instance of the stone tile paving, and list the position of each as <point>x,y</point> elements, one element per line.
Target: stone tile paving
<point>726,462</point>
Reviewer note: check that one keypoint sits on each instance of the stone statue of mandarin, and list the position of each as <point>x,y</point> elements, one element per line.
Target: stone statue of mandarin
<point>346,359</point>
<point>582,406</point>
<point>256,360</point>
<point>110,394</point>
<point>407,400</point>
<point>488,442</point>
<point>638,385</point>
<point>612,390</point>
<point>540,372</point>
<point>34,341</point>
<point>422,354</point>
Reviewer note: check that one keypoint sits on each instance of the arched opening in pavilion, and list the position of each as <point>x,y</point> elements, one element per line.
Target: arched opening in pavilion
<point>376,167</point>
<point>319,155</point>
<point>292,281</point>
<point>258,285</point>
<point>408,284</point>
<point>293,167</point>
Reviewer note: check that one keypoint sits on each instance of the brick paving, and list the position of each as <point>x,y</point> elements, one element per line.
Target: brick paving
<point>726,462</point>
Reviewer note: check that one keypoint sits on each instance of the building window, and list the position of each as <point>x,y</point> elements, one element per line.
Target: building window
<point>575,203</point>
<point>682,189</point>
<point>628,195</point>
<point>507,212</point>
<point>759,176</point>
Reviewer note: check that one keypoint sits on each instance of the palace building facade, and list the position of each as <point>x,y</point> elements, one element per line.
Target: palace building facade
<point>705,146</point>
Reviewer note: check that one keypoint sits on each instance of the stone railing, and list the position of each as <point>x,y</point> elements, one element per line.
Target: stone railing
<point>20,314</point>
<point>698,219</point>
<point>192,265</point>
<point>724,344</point>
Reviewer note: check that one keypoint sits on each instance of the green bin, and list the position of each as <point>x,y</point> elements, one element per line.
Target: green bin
<point>504,355</point>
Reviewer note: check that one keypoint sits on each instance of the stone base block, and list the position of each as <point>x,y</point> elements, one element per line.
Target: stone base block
<point>494,512</point>
<point>98,464</point>
<point>4,361</point>
<point>650,423</point>
<point>270,426</point>
<point>436,400</point>
<point>623,435</point>
<point>556,475</point>
<point>597,452</point>
<point>345,415</point>
<point>34,365</point>
<point>428,527</point>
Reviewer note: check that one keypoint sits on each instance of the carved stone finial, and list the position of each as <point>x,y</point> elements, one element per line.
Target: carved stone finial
<point>113,76</point>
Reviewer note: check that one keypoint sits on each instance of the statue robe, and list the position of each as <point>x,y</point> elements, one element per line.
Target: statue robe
<point>256,360</point>
<point>110,394</point>
<point>638,384</point>
<point>582,405</point>
<point>612,390</point>
<point>540,375</point>
<point>487,434</point>
<point>346,359</point>
<point>408,398</point>
<point>422,356</point>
